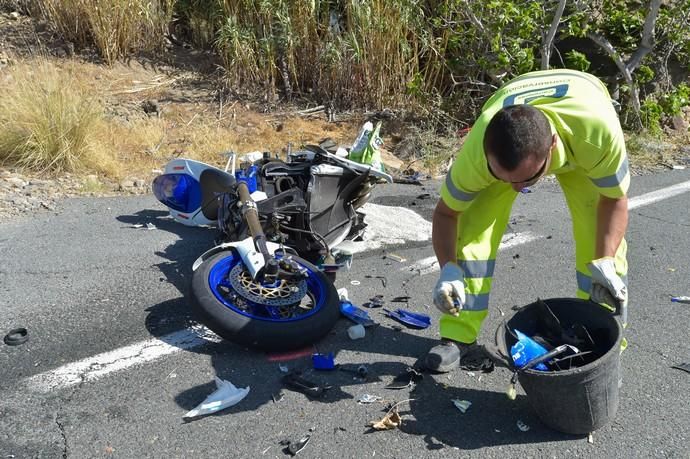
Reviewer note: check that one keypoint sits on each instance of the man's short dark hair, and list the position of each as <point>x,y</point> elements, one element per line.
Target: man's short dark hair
<point>515,133</point>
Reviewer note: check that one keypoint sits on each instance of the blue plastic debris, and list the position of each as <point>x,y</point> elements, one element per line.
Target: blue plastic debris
<point>411,319</point>
<point>681,299</point>
<point>525,190</point>
<point>525,350</point>
<point>323,361</point>
<point>355,314</point>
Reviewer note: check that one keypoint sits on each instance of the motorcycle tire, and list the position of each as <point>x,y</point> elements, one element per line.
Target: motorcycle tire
<point>238,325</point>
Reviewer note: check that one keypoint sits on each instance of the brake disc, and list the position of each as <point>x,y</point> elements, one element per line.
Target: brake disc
<point>281,293</point>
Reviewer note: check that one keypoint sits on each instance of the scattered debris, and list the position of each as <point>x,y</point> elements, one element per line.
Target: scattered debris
<point>355,314</point>
<point>368,398</point>
<point>406,379</point>
<point>410,319</point>
<point>375,302</point>
<point>477,359</point>
<point>401,299</point>
<point>296,382</point>
<point>323,361</point>
<point>525,190</point>
<point>151,226</point>
<point>16,336</point>
<point>462,405</point>
<point>590,438</point>
<point>361,371</point>
<point>355,282</point>
<point>390,421</point>
<point>356,332</point>
<point>678,167</point>
<point>225,396</point>
<point>291,355</point>
<point>682,366</point>
<point>294,447</point>
<point>681,299</point>
<point>395,257</point>
<point>283,368</point>
<point>522,426</point>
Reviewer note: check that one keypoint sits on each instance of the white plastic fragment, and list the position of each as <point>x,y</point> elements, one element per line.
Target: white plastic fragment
<point>522,426</point>
<point>470,374</point>
<point>368,398</point>
<point>342,294</point>
<point>462,405</point>
<point>590,438</point>
<point>283,368</point>
<point>355,282</point>
<point>678,167</point>
<point>150,226</point>
<point>225,396</point>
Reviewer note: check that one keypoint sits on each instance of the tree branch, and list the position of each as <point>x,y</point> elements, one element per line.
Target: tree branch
<point>647,42</point>
<point>548,41</point>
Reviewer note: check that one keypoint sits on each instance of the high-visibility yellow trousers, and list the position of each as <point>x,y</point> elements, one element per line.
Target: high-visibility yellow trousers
<point>480,229</point>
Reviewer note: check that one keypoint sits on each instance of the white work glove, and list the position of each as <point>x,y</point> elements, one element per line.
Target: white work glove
<point>449,293</point>
<point>608,287</point>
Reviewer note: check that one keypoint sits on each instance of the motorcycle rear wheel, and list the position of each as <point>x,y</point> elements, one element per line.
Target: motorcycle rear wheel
<point>274,328</point>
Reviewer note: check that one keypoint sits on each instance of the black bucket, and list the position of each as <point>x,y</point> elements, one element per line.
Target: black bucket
<point>579,400</point>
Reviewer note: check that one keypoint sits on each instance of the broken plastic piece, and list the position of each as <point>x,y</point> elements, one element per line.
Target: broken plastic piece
<point>356,332</point>
<point>390,421</point>
<point>283,368</point>
<point>522,426</point>
<point>294,447</point>
<point>411,319</point>
<point>525,190</point>
<point>150,226</point>
<point>295,382</point>
<point>225,396</point>
<point>462,405</point>
<point>375,302</point>
<point>323,361</point>
<point>396,257</point>
<point>355,314</point>
<point>681,299</point>
<point>401,299</point>
<point>355,282</point>
<point>590,438</point>
<point>278,396</point>
<point>368,398</point>
<point>406,379</point>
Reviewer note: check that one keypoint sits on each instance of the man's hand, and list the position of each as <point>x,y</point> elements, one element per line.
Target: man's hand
<point>607,286</point>
<point>449,294</point>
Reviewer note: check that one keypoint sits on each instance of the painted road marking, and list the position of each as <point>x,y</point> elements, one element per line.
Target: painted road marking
<point>654,196</point>
<point>429,265</point>
<point>93,368</point>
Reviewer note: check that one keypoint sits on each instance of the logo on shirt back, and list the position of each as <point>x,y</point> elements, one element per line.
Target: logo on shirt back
<point>553,92</point>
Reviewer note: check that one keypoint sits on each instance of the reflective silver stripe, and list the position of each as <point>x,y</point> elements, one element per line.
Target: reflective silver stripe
<point>477,268</point>
<point>456,192</point>
<point>584,282</point>
<point>476,302</point>
<point>613,180</point>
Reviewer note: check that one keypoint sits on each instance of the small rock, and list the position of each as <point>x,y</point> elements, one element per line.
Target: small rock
<point>14,15</point>
<point>16,182</point>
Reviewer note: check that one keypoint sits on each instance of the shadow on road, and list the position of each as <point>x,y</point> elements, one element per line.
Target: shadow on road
<point>180,255</point>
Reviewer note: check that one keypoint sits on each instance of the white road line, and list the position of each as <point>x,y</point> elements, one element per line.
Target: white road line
<point>429,264</point>
<point>658,195</point>
<point>92,368</point>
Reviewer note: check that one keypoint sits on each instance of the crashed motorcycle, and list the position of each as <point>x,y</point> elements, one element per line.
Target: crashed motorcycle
<point>268,283</point>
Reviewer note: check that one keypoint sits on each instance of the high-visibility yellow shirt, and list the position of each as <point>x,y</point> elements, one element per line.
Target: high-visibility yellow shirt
<point>580,112</point>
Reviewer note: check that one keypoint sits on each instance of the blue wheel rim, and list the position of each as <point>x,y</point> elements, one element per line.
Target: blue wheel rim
<point>218,277</point>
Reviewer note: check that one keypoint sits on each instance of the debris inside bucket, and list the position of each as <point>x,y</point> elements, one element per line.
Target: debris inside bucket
<point>556,347</point>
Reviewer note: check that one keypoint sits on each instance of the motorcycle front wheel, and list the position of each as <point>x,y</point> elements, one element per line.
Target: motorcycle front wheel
<point>271,317</point>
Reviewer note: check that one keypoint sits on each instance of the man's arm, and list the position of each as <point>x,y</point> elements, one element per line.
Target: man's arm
<point>612,222</point>
<point>444,235</point>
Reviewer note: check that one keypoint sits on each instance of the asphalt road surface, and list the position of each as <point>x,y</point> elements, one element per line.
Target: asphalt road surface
<point>115,358</point>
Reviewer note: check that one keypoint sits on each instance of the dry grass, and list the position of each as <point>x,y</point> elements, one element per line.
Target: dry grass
<point>49,120</point>
<point>116,27</point>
